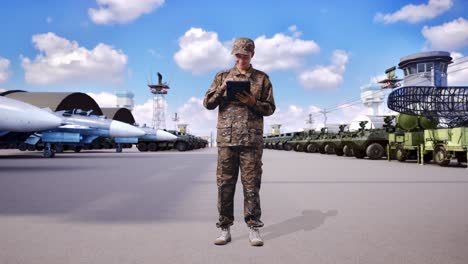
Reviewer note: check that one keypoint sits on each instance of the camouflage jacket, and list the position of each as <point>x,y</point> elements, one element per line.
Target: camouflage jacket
<point>239,124</point>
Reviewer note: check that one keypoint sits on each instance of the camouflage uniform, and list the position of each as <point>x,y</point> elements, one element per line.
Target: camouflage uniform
<point>240,143</point>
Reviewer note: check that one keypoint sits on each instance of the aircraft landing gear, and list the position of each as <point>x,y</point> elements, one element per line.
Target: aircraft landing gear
<point>48,151</point>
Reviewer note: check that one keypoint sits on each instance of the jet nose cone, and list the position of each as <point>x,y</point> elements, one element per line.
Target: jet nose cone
<point>45,120</point>
<point>165,136</point>
<point>120,129</point>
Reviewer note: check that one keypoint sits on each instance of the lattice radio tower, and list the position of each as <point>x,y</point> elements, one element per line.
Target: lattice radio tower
<point>159,103</point>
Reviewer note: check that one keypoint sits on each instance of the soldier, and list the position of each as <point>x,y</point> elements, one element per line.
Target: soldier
<point>240,139</point>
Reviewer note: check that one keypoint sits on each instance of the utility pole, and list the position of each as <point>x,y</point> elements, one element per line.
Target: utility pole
<point>310,121</point>
<point>176,119</point>
<point>324,112</point>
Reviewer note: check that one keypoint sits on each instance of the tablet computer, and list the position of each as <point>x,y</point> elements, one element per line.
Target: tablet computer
<point>234,87</point>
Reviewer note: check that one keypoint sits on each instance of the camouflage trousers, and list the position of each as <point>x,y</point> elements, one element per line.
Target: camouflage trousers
<point>249,160</point>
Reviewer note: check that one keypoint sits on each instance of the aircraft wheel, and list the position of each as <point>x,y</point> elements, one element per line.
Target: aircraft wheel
<point>49,153</point>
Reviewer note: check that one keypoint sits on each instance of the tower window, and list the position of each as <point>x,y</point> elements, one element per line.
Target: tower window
<point>425,67</point>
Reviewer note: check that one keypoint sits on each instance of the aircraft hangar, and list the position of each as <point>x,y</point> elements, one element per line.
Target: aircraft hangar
<point>56,101</point>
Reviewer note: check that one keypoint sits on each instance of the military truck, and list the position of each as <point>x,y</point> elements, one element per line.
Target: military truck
<point>444,144</point>
<point>408,137</point>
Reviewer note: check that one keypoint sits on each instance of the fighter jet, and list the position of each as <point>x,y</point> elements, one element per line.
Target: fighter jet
<point>81,128</point>
<point>17,116</point>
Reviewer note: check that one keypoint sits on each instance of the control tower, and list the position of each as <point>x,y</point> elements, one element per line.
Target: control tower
<point>159,103</point>
<point>426,68</point>
<point>372,96</point>
<point>276,129</point>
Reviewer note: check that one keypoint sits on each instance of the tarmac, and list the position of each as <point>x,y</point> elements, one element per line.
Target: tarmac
<point>146,208</point>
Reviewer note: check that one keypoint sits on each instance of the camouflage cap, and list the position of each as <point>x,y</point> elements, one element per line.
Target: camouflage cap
<point>243,46</point>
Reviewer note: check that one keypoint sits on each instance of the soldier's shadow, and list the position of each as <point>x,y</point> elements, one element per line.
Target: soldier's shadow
<point>309,220</point>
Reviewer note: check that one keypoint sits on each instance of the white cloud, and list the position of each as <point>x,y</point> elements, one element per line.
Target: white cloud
<point>104,99</point>
<point>121,11</point>
<point>416,13</point>
<point>4,69</point>
<point>326,77</point>
<point>282,52</point>
<point>458,70</point>
<point>201,51</point>
<point>143,113</point>
<point>61,60</point>
<point>201,120</point>
<point>449,36</point>
<point>295,31</point>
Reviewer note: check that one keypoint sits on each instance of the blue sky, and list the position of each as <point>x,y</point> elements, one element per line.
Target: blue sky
<point>345,39</point>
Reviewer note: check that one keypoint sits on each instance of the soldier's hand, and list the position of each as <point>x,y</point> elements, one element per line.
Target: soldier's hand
<point>223,87</point>
<point>246,98</point>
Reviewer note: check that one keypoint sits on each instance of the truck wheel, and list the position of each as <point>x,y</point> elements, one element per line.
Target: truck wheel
<point>299,148</point>
<point>142,147</point>
<point>311,148</point>
<point>181,146</point>
<point>375,151</point>
<point>401,154</point>
<point>440,156</point>
<point>328,149</point>
<point>339,152</point>
<point>152,147</point>
<point>23,147</point>
<point>287,146</point>
<point>359,154</point>
<point>348,151</point>
<point>77,149</point>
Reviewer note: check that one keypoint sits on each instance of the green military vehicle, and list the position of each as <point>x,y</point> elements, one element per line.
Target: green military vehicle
<point>298,142</point>
<point>406,141</point>
<point>283,142</point>
<point>367,142</point>
<point>418,138</point>
<point>313,142</point>
<point>334,144</point>
<point>269,141</point>
<point>444,144</point>
<point>322,144</point>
